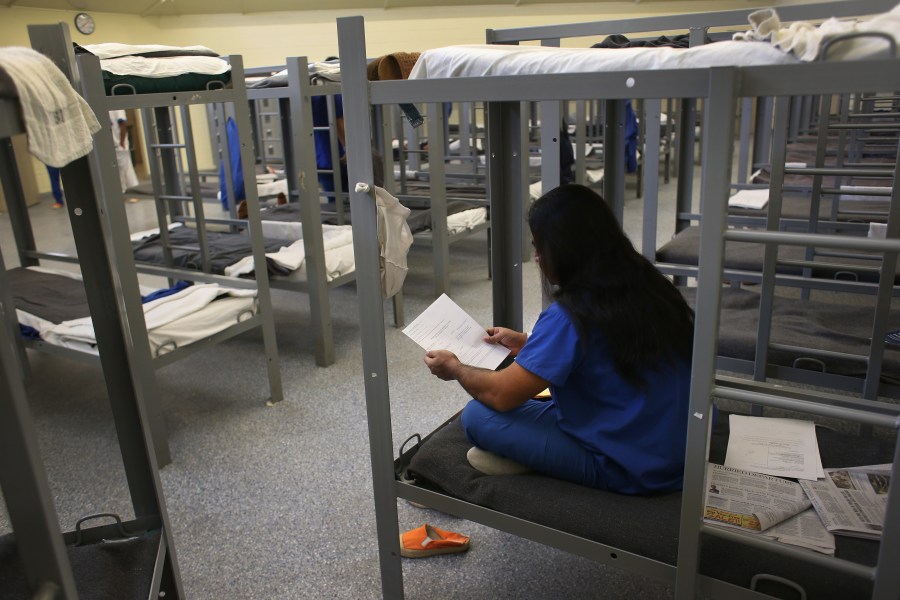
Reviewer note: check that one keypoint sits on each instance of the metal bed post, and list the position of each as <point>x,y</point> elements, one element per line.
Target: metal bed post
<point>580,142</point>
<point>23,481</point>
<point>505,139</point>
<point>440,238</point>
<point>254,225</point>
<point>762,133</point>
<point>551,120</point>
<point>652,113</point>
<point>18,215</point>
<point>128,381</point>
<point>686,138</point>
<point>302,178</point>
<point>527,126</point>
<point>614,157</point>
<point>24,236</point>
<point>121,333</point>
<point>719,144</point>
<point>352,44</point>
<point>10,321</point>
<point>743,166</point>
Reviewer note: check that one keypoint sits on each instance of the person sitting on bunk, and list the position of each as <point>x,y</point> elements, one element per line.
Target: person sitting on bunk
<point>614,348</point>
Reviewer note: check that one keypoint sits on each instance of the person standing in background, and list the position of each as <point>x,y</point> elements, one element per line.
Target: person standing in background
<point>119,123</point>
<point>55,186</point>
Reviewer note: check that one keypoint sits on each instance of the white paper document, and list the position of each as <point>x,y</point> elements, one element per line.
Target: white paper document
<point>780,447</point>
<point>445,326</point>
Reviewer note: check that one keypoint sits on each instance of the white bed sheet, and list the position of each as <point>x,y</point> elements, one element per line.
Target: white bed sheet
<point>487,60</point>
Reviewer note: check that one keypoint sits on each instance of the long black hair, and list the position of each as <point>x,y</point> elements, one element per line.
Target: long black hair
<point>605,285</point>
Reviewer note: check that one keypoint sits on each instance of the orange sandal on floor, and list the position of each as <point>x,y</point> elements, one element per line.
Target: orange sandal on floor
<point>429,541</point>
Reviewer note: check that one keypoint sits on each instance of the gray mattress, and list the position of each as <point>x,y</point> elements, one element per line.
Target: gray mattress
<point>802,323</point>
<point>684,249</point>
<point>224,249</point>
<point>797,207</point>
<point>56,298</point>
<point>647,526</point>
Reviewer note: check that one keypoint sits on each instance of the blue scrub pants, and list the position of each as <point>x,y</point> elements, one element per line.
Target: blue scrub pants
<point>55,184</point>
<point>530,435</point>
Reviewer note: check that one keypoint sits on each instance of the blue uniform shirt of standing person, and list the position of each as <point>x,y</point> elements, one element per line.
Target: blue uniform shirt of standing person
<point>598,429</point>
<point>323,141</point>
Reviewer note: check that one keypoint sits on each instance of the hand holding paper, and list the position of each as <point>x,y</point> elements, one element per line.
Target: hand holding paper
<point>445,326</point>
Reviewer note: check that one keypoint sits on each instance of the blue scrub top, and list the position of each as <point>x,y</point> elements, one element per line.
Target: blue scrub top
<point>638,435</point>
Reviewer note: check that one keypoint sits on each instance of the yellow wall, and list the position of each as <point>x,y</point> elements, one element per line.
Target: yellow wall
<point>266,39</point>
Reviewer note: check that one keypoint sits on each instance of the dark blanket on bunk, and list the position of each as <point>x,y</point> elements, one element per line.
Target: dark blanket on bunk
<point>804,324</point>
<point>56,298</point>
<point>684,249</point>
<point>419,219</point>
<point>797,207</point>
<point>103,571</point>
<point>647,526</point>
<point>224,249</point>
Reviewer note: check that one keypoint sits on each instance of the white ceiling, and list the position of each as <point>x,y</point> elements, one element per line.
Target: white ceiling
<point>157,8</point>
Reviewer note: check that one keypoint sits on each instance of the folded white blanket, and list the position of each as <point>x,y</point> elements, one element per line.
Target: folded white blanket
<point>338,242</point>
<point>58,121</point>
<point>756,199</point>
<point>163,316</point>
<point>169,66</point>
<point>466,219</point>
<point>804,40</point>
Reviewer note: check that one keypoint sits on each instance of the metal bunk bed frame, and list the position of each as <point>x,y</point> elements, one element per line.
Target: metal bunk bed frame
<point>29,501</point>
<point>55,42</point>
<point>719,88</point>
<point>299,156</point>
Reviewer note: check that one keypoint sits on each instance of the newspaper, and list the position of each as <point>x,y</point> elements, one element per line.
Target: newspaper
<point>749,500</point>
<point>769,506</point>
<point>852,501</point>
<point>805,530</point>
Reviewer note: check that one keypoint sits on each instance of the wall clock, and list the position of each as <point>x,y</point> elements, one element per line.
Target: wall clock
<point>84,23</point>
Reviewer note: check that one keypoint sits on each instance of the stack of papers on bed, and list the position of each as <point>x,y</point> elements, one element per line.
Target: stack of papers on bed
<point>756,199</point>
<point>780,447</point>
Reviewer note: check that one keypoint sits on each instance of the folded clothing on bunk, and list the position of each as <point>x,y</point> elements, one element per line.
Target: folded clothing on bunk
<point>645,525</point>
<point>324,71</point>
<point>55,305</point>
<point>397,65</point>
<point>58,121</point>
<point>750,199</point>
<point>151,68</point>
<point>806,40</point>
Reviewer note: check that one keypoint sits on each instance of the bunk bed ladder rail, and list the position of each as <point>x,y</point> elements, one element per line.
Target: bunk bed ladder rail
<point>167,177</point>
<point>705,387</point>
